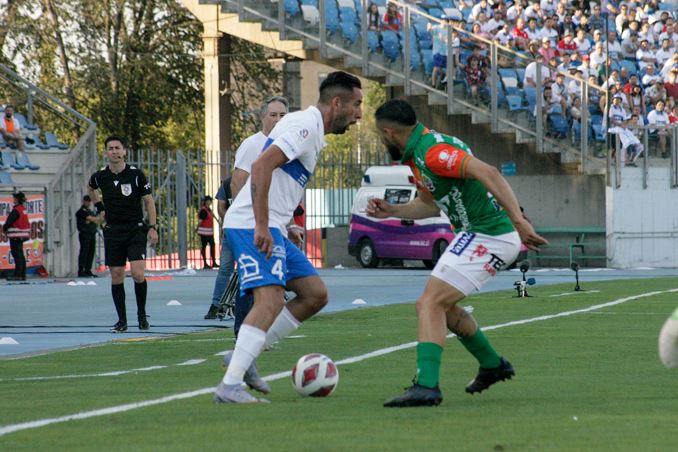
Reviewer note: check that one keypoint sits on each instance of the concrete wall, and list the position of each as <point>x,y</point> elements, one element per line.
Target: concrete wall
<point>642,225</point>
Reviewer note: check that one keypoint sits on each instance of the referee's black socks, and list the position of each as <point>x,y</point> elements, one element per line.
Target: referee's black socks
<point>118,292</point>
<point>140,290</point>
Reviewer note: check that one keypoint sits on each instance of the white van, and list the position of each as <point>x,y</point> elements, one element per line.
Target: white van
<point>372,239</point>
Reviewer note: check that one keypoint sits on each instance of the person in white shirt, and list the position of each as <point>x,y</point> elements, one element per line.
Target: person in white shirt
<point>272,110</point>
<point>658,117</point>
<point>548,31</point>
<point>548,6</point>
<point>583,44</point>
<point>650,76</point>
<point>514,12</point>
<point>612,46</point>
<point>645,54</point>
<point>598,56</point>
<point>585,66</point>
<point>481,6</point>
<point>267,262</point>
<point>534,10</point>
<point>665,52</point>
<point>670,64</point>
<point>530,77</point>
<point>646,33</point>
<point>533,33</point>
<point>495,23</point>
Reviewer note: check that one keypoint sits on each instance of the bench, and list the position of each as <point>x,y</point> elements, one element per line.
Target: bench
<point>580,241</point>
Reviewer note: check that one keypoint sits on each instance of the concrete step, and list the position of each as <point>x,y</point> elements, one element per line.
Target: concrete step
<point>436,98</point>
<point>523,138</point>
<point>478,117</point>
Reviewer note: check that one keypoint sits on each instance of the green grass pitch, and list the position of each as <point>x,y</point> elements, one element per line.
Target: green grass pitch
<point>590,381</point>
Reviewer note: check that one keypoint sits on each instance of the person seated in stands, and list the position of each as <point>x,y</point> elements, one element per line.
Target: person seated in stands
<point>582,42</point>
<point>567,25</point>
<point>616,120</point>
<point>595,20</point>
<point>670,33</point>
<point>548,102</point>
<point>673,116</point>
<point>659,117</point>
<point>11,129</point>
<point>515,12</point>
<point>597,37</point>
<point>645,55</point>
<point>547,31</point>
<point>567,46</point>
<point>664,53</point>
<point>373,17</point>
<point>669,66</point>
<point>546,51</point>
<point>585,66</point>
<point>628,86</point>
<point>598,57</point>
<point>671,85</point>
<point>655,92</point>
<point>624,75</point>
<point>630,46</point>
<point>612,46</point>
<point>560,92</point>
<point>475,77</point>
<point>530,77</point>
<point>481,7</point>
<point>496,23</point>
<point>534,11</point>
<point>651,76</point>
<point>519,34</point>
<point>622,19</point>
<point>532,30</point>
<point>636,99</point>
<point>393,20</point>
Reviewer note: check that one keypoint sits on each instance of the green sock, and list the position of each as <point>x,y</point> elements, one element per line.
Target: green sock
<point>479,346</point>
<point>428,363</point>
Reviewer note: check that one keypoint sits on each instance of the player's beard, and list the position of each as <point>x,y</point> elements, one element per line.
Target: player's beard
<point>395,153</point>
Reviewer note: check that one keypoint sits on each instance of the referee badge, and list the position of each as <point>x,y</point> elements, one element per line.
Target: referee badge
<point>126,189</point>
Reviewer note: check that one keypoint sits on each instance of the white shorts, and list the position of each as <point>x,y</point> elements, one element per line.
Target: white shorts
<point>472,259</point>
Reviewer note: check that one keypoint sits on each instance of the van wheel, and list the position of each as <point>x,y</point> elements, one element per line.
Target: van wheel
<point>438,249</point>
<point>366,255</point>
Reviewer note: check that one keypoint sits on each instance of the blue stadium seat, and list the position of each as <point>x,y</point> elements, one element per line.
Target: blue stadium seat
<point>23,122</point>
<point>520,75</point>
<point>348,15</point>
<point>507,73</point>
<point>52,141</point>
<point>292,7</point>
<point>349,31</point>
<point>310,2</point>
<point>598,133</point>
<point>9,160</point>
<point>391,44</point>
<point>373,41</point>
<point>6,178</point>
<point>558,125</point>
<point>23,160</point>
<point>331,20</point>
<point>515,103</point>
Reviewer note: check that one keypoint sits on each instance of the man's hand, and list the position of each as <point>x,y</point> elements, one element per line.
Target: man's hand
<point>152,236</point>
<point>295,234</point>
<point>263,240</point>
<point>379,208</point>
<point>528,236</point>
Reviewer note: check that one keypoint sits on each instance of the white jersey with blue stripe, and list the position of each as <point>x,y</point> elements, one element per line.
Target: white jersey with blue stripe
<point>301,137</point>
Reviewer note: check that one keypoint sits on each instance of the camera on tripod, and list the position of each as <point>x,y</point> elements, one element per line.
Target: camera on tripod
<point>521,286</point>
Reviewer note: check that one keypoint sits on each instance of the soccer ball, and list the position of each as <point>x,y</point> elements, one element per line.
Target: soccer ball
<point>668,342</point>
<point>315,375</point>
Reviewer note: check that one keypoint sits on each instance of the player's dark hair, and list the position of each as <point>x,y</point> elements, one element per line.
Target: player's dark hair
<point>86,198</point>
<point>397,111</point>
<point>20,197</point>
<point>114,138</point>
<point>206,198</point>
<point>338,83</point>
<point>9,106</point>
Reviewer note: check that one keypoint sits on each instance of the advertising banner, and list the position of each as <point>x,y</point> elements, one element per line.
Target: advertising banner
<point>33,247</point>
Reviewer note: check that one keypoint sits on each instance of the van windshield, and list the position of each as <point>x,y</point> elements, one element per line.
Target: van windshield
<point>397,195</point>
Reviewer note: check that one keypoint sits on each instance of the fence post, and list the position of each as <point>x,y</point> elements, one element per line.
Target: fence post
<point>539,124</point>
<point>494,93</point>
<point>584,129</point>
<point>182,235</point>
<point>408,51</point>
<point>281,21</point>
<point>323,29</point>
<point>450,71</point>
<point>364,27</point>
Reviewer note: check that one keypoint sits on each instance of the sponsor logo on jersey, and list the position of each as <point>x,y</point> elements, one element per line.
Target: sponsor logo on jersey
<point>428,183</point>
<point>303,133</point>
<point>462,243</point>
<point>126,189</point>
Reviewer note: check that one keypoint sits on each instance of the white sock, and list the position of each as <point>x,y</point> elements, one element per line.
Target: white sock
<point>248,346</point>
<point>283,325</point>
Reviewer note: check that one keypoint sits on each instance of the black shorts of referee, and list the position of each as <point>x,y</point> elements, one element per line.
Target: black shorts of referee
<point>124,242</point>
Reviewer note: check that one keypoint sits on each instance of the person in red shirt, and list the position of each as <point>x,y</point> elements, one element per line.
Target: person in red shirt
<point>673,116</point>
<point>567,45</point>
<point>672,85</point>
<point>519,34</point>
<point>205,230</point>
<point>393,20</point>
<point>18,230</point>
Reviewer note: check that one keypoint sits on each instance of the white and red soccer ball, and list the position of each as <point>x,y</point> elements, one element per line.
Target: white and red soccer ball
<point>668,342</point>
<point>315,375</point>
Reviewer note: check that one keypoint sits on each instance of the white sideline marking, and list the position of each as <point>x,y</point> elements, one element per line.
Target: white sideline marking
<point>574,293</point>
<point>192,362</point>
<point>384,351</point>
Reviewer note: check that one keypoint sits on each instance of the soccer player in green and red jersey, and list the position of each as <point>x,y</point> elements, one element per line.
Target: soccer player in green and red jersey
<point>489,228</point>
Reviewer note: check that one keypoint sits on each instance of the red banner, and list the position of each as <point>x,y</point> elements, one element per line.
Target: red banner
<point>33,247</point>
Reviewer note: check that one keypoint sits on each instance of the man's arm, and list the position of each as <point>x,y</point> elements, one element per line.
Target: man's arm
<point>496,184</point>
<point>238,181</point>
<point>152,234</point>
<point>422,206</point>
<point>94,196</point>
<point>11,218</point>
<point>262,171</point>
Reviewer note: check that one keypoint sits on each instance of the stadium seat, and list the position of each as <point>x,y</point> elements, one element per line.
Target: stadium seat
<point>349,31</point>
<point>515,103</point>
<point>510,85</point>
<point>23,160</point>
<point>507,73</point>
<point>23,122</point>
<point>52,141</point>
<point>630,66</point>
<point>598,133</point>
<point>9,160</point>
<point>6,178</point>
<point>347,15</point>
<point>390,44</point>
<point>558,125</point>
<point>331,20</point>
<point>313,3</point>
<point>348,4</point>
<point>292,7</point>
<point>520,74</point>
<point>427,57</point>
<point>373,41</point>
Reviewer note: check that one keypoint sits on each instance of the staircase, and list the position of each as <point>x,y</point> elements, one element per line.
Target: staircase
<point>276,24</point>
<point>62,177</point>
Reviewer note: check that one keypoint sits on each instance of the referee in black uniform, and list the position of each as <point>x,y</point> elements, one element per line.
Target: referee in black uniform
<point>123,187</point>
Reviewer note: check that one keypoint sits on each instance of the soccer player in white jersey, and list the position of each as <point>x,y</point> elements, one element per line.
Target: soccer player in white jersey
<point>268,262</point>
